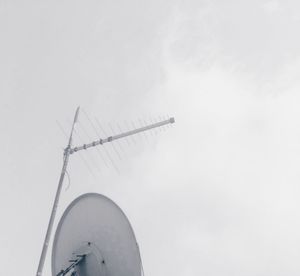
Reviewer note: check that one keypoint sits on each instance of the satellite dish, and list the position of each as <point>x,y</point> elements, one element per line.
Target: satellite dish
<point>95,238</point>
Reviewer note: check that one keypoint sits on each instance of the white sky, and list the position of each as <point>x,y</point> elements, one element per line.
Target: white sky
<point>217,194</point>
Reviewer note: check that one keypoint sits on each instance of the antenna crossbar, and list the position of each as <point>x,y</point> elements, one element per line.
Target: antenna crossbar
<point>121,135</point>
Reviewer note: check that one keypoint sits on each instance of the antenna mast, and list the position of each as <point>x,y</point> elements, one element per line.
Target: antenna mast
<point>56,200</point>
<point>67,152</point>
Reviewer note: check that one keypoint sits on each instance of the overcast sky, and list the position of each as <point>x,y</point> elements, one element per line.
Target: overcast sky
<point>217,193</point>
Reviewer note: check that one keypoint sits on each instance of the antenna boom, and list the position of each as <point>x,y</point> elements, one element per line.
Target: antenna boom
<point>122,135</point>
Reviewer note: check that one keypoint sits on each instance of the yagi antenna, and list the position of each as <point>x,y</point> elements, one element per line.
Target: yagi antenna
<point>121,135</point>
<point>71,150</point>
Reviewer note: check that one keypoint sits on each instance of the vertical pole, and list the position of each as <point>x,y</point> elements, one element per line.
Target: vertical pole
<point>56,200</point>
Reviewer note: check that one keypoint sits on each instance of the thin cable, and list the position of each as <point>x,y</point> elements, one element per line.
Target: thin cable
<point>69,181</point>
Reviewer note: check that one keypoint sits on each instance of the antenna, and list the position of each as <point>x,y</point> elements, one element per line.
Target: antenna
<point>121,135</point>
<point>93,238</point>
<point>67,152</point>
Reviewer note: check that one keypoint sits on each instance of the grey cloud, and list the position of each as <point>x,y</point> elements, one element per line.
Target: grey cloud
<point>215,194</point>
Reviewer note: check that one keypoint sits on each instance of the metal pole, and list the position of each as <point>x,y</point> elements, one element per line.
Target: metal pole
<point>56,200</point>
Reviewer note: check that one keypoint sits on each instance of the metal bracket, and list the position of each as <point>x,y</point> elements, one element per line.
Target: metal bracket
<point>73,264</point>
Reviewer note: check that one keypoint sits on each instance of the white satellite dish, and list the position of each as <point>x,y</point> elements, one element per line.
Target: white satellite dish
<point>95,238</point>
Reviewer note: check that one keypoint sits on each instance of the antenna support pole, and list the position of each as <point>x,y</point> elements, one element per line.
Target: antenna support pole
<point>56,200</point>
